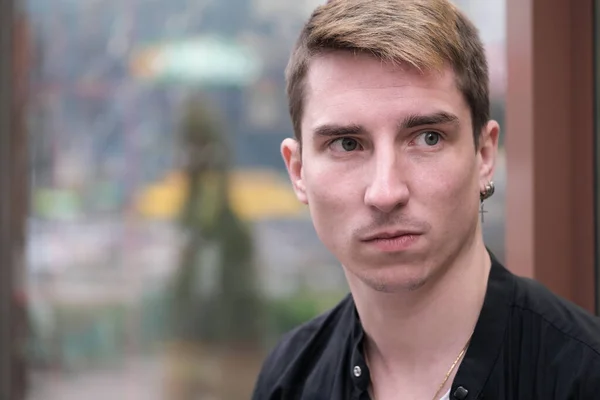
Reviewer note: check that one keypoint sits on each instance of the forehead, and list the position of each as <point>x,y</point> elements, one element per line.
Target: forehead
<point>342,87</point>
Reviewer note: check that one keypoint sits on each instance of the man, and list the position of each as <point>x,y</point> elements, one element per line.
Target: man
<point>394,151</point>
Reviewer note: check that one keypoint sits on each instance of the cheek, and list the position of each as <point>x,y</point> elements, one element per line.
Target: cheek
<point>334,198</point>
<point>330,184</point>
<point>447,185</point>
<point>325,189</point>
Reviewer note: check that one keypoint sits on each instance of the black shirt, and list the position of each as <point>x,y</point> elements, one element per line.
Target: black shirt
<point>528,344</point>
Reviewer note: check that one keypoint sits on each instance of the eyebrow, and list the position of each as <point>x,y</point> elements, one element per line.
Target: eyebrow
<point>438,118</point>
<point>411,121</point>
<point>338,130</point>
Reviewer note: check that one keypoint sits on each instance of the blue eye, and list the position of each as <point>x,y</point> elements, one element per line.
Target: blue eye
<point>428,139</point>
<point>349,144</point>
<point>346,144</point>
<point>431,138</point>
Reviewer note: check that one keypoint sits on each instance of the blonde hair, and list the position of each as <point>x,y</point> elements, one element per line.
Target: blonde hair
<point>425,34</point>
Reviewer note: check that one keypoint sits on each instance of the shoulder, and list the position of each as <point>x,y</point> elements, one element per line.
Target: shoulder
<point>298,351</point>
<point>567,321</point>
<point>550,347</point>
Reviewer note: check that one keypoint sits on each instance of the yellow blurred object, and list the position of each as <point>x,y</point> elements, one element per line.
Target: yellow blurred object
<point>254,195</point>
<point>164,199</point>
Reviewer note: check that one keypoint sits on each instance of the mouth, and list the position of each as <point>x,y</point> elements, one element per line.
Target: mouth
<point>393,241</point>
<point>390,235</point>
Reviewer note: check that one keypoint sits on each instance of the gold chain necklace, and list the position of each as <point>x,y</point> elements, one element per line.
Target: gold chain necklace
<point>437,393</point>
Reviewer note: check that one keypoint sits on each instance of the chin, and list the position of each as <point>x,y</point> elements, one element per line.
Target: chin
<point>396,279</point>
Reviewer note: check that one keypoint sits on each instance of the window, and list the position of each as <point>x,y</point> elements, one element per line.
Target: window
<point>120,287</point>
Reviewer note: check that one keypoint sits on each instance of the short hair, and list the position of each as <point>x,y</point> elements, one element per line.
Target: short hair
<point>425,34</point>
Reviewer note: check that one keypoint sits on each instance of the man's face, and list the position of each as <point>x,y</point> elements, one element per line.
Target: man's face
<point>388,168</point>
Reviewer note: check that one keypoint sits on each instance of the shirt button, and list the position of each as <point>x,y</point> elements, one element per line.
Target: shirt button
<point>460,393</point>
<point>357,371</point>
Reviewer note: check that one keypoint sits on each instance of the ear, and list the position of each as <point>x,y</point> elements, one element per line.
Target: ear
<point>292,156</point>
<point>487,152</point>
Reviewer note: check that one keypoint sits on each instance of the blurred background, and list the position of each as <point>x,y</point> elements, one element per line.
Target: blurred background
<point>165,252</point>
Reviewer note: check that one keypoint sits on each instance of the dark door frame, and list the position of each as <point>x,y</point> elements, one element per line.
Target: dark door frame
<point>14,187</point>
<point>6,262</point>
<point>596,62</point>
<point>550,224</point>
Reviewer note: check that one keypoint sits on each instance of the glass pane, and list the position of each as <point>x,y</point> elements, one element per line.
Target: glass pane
<point>144,282</point>
<point>150,275</point>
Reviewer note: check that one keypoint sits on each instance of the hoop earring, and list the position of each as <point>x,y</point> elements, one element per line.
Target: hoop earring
<point>487,192</point>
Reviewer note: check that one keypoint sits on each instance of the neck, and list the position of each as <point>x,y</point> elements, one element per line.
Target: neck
<point>428,325</point>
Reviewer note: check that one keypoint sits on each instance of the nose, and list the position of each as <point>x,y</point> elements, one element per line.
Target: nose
<point>388,189</point>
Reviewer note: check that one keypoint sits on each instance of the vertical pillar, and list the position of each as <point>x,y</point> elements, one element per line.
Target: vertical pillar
<point>6,276</point>
<point>549,145</point>
<point>14,185</point>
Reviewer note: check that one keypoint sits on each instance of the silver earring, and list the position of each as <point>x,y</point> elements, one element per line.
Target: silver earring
<point>487,192</point>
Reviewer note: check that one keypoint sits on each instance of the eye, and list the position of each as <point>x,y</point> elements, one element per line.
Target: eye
<point>346,144</point>
<point>429,138</point>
